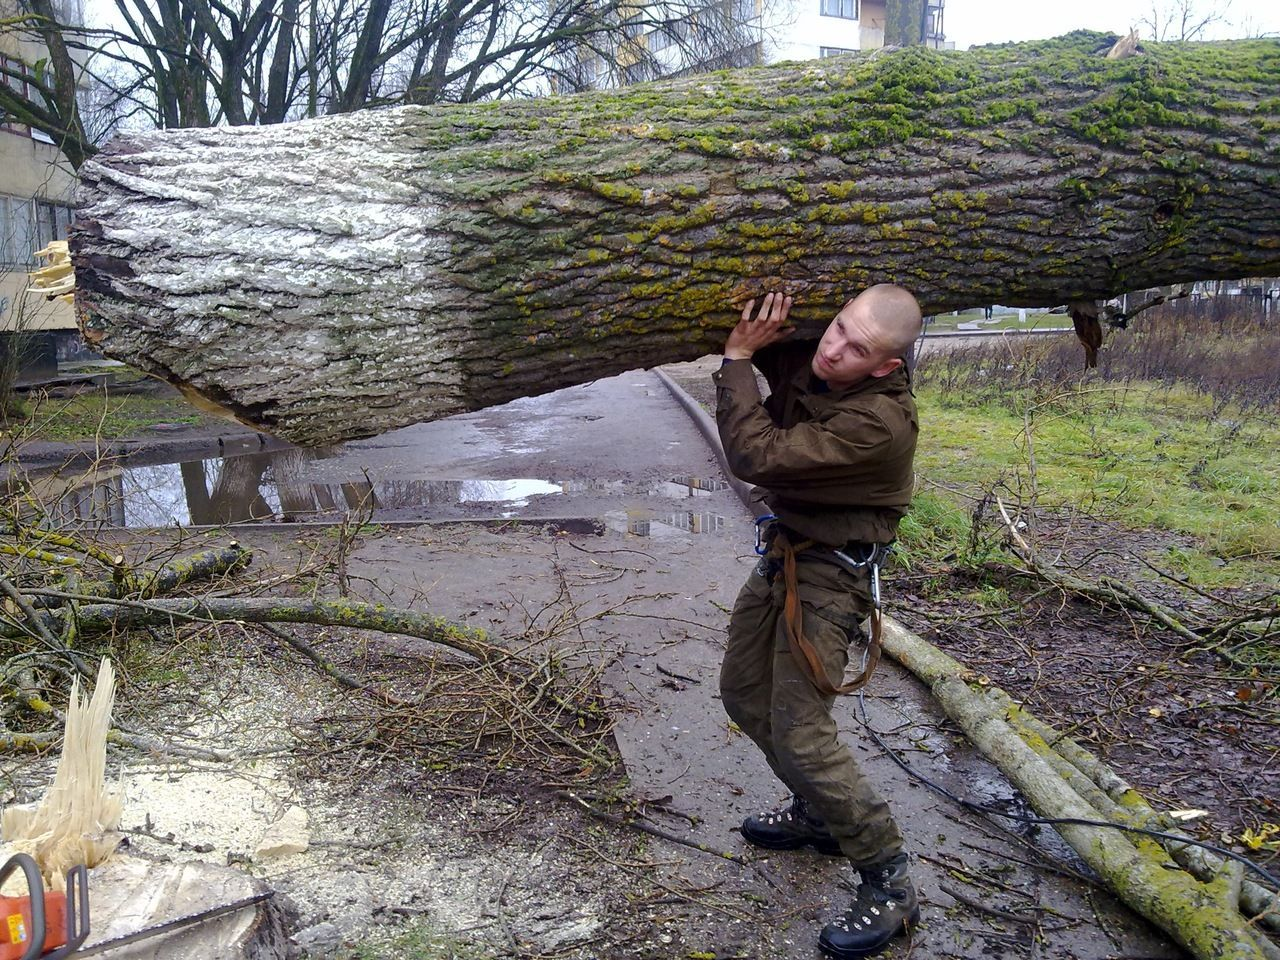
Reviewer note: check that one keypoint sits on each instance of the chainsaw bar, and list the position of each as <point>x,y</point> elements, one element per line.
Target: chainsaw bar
<point>177,923</point>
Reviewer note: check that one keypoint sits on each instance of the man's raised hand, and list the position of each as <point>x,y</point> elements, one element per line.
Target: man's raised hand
<point>765,328</point>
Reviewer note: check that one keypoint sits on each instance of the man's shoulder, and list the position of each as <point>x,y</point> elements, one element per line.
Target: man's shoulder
<point>890,404</point>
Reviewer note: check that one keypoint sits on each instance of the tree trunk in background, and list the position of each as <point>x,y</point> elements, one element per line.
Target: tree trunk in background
<point>903,22</point>
<point>339,277</point>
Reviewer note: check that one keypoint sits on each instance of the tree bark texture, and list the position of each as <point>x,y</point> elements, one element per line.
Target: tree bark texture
<point>336,278</point>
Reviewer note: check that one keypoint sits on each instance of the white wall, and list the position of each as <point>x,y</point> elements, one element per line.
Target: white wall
<point>797,30</point>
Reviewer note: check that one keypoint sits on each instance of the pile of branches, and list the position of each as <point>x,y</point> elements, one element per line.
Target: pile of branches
<point>1244,630</point>
<point>68,597</point>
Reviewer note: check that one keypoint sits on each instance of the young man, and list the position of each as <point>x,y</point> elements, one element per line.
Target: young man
<point>831,451</point>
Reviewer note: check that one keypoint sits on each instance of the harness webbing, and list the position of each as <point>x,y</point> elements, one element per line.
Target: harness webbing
<point>793,619</point>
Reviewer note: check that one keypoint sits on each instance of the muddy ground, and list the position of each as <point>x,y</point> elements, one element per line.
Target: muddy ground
<point>436,823</point>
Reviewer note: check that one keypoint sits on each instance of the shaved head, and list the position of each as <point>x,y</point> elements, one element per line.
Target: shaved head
<point>896,312</point>
<point>869,337</point>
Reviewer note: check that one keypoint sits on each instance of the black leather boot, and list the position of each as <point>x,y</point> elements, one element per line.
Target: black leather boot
<point>790,829</point>
<point>885,906</point>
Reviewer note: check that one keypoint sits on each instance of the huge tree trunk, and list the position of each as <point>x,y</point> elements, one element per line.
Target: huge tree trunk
<point>336,278</point>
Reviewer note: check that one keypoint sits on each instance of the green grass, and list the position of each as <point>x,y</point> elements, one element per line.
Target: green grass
<point>1138,455</point>
<point>936,525</point>
<point>102,415</point>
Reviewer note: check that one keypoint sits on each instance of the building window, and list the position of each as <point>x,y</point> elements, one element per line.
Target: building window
<point>848,9</point>
<point>27,226</point>
<point>834,51</point>
<point>659,39</point>
<point>17,242</point>
<point>18,86</point>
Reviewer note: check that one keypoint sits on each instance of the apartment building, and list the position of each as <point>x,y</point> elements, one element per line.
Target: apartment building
<point>36,186</point>
<point>668,37</point>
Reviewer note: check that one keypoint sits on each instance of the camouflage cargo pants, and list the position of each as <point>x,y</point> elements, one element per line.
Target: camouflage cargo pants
<point>770,697</point>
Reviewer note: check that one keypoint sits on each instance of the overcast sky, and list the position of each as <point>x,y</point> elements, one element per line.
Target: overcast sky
<point>969,22</point>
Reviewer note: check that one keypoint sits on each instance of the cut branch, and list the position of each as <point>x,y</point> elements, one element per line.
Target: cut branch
<point>97,617</point>
<point>1204,919</point>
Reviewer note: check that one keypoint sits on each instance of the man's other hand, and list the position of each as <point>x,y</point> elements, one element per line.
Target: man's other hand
<point>767,327</point>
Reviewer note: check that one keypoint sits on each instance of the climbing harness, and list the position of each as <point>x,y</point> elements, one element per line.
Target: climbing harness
<point>782,549</point>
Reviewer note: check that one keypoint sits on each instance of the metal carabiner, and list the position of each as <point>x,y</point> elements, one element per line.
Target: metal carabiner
<point>761,547</point>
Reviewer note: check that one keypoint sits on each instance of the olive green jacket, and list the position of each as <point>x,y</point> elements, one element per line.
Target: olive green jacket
<point>833,465</point>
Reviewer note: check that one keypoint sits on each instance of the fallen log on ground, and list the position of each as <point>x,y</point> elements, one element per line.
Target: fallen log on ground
<point>177,573</point>
<point>1203,917</point>
<point>1118,801</point>
<point>336,278</point>
<point>355,614</point>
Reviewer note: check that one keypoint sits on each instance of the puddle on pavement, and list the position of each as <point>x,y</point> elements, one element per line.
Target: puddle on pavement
<point>658,525</point>
<point>998,794</point>
<point>279,486</point>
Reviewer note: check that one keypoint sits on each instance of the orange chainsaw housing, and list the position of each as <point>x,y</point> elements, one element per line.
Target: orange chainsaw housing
<point>15,924</point>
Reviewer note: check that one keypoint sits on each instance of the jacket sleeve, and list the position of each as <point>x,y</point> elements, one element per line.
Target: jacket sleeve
<point>848,445</point>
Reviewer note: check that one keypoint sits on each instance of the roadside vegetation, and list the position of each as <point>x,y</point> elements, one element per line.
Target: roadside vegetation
<point>129,404</point>
<point>1105,545</point>
<point>1177,430</point>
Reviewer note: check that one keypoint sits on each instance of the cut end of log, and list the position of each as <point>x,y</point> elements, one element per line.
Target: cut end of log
<point>1126,46</point>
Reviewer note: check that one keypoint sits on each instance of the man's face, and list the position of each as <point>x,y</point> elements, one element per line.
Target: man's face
<point>853,348</point>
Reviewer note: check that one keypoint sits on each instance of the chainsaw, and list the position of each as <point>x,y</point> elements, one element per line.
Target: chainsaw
<point>54,925</point>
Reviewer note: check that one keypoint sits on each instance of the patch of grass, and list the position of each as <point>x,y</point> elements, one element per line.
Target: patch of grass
<point>1003,321</point>
<point>933,528</point>
<point>105,416</point>
<point>418,940</point>
<point>1166,452</point>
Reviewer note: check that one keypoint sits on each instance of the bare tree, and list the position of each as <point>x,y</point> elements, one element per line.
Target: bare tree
<point>42,94</point>
<point>667,39</point>
<point>200,63</point>
<point>1183,19</point>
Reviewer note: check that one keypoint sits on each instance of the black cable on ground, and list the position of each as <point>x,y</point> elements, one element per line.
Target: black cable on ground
<point>1050,821</point>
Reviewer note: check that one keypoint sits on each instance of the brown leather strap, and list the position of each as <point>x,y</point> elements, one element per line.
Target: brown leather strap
<point>793,618</point>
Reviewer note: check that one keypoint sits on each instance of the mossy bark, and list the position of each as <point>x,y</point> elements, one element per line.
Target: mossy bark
<point>1120,802</point>
<point>174,575</point>
<point>339,277</point>
<point>336,612</point>
<point>1203,918</point>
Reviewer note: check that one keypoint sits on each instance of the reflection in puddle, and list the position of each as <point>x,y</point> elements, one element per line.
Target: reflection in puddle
<point>515,492</point>
<point>648,523</point>
<point>279,486</point>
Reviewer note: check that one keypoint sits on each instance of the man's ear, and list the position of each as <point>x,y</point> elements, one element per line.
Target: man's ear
<point>887,367</point>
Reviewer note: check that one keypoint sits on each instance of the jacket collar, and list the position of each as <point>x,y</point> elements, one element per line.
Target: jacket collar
<point>896,382</point>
